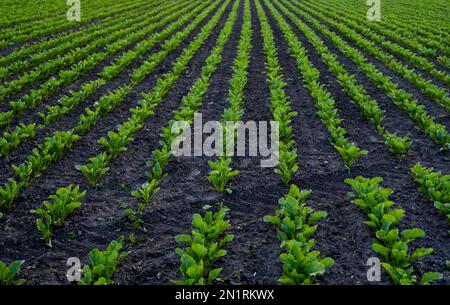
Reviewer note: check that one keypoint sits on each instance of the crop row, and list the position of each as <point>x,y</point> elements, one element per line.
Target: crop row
<point>324,101</point>
<point>52,27</point>
<point>399,97</point>
<point>280,105</point>
<point>104,106</point>
<point>369,108</point>
<point>418,61</point>
<point>65,104</point>
<point>425,86</point>
<point>390,242</point>
<point>221,171</point>
<point>83,37</point>
<point>435,185</point>
<point>296,223</point>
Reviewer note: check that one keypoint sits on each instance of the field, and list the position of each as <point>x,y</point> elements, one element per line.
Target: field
<point>86,115</point>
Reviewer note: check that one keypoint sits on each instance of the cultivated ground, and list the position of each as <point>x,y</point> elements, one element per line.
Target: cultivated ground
<point>253,255</point>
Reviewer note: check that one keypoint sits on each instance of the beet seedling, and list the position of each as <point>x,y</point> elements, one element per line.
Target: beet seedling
<point>296,223</point>
<point>8,274</point>
<point>397,146</point>
<point>221,173</point>
<point>97,167</point>
<point>103,264</point>
<point>391,243</point>
<point>56,210</point>
<point>205,247</point>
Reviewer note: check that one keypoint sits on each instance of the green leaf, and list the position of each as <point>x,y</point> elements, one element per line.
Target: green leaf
<point>328,262</point>
<point>378,248</point>
<point>392,272</point>
<point>286,280</point>
<point>183,238</point>
<point>411,234</point>
<point>272,219</point>
<point>420,252</point>
<point>16,266</point>
<point>194,272</point>
<point>316,216</point>
<point>429,277</point>
<point>213,274</point>
<point>200,250</point>
<point>314,268</point>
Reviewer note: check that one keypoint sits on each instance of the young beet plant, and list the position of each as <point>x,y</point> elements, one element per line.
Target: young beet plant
<point>11,140</point>
<point>221,173</point>
<point>103,264</point>
<point>8,274</point>
<point>8,193</point>
<point>296,223</point>
<point>349,153</point>
<point>144,195</point>
<point>116,144</point>
<point>391,243</point>
<point>205,247</point>
<point>56,210</point>
<point>435,185</point>
<point>148,190</point>
<point>397,146</point>
<point>97,167</point>
<point>287,165</point>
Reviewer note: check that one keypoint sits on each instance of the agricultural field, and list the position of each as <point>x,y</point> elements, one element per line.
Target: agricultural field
<point>91,97</point>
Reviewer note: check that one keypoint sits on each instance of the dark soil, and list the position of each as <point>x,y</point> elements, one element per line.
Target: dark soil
<point>253,255</point>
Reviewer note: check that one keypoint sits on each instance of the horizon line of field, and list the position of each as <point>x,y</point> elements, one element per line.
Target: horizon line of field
<point>414,11</point>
